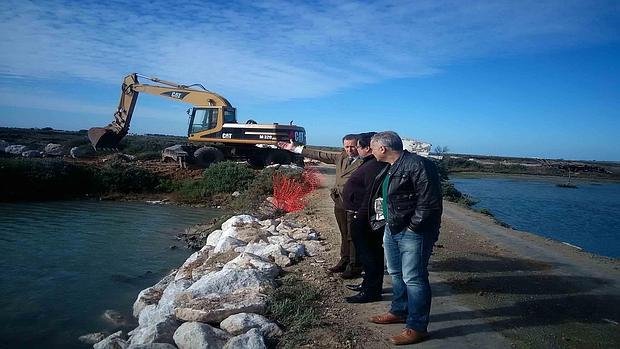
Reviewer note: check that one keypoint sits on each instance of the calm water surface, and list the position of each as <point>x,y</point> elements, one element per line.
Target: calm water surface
<point>588,216</point>
<point>62,264</point>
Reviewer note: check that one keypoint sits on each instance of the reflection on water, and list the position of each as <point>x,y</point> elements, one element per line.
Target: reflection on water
<point>62,264</point>
<point>587,216</point>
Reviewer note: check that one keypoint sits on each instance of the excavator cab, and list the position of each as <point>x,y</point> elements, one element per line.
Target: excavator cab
<point>209,118</point>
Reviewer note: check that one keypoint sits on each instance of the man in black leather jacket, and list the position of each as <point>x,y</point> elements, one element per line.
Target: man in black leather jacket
<point>408,195</point>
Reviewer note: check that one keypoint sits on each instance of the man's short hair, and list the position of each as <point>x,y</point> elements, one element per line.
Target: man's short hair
<point>388,139</point>
<point>364,139</point>
<point>350,137</point>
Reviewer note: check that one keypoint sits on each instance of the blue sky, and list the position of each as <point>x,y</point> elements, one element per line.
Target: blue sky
<point>519,78</point>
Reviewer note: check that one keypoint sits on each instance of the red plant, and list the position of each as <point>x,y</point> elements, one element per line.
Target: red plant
<point>289,193</point>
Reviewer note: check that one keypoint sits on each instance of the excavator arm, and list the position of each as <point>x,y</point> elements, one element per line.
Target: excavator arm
<point>111,135</point>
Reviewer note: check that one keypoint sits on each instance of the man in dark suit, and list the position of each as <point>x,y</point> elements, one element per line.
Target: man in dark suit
<point>368,241</point>
<point>346,162</point>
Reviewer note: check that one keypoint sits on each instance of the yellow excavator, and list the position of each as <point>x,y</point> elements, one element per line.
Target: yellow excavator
<point>213,134</point>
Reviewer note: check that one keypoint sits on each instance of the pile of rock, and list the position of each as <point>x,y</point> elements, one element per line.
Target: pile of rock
<point>217,298</point>
<point>50,150</point>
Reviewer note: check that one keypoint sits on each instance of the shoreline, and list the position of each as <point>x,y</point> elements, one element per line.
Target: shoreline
<point>465,174</point>
<point>504,279</point>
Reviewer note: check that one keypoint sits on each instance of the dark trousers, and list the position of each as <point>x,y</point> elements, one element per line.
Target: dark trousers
<point>347,248</point>
<point>369,245</point>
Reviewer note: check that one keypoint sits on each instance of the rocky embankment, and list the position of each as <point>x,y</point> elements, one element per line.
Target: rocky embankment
<point>218,297</point>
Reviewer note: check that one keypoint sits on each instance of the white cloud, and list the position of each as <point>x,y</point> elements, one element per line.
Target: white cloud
<point>278,50</point>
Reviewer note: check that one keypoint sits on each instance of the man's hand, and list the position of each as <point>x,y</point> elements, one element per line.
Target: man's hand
<point>286,145</point>
<point>290,146</point>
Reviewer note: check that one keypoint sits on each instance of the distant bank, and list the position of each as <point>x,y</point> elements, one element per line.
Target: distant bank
<point>586,217</point>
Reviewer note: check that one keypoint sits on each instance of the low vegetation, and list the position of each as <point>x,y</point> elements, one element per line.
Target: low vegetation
<point>54,178</point>
<point>42,179</point>
<point>448,189</point>
<point>295,305</point>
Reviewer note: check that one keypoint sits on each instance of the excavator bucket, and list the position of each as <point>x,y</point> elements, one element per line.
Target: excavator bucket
<point>102,137</point>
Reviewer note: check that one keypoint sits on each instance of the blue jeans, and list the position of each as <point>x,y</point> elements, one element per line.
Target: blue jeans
<point>407,254</point>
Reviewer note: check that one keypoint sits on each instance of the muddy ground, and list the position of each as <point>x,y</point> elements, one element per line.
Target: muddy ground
<point>492,288</point>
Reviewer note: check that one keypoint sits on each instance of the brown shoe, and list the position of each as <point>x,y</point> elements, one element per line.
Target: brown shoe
<point>340,267</point>
<point>387,318</point>
<point>408,336</point>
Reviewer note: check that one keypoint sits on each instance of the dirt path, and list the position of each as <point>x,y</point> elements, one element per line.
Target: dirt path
<point>492,288</point>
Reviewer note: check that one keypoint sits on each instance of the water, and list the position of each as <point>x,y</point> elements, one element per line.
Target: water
<point>588,216</point>
<point>62,264</point>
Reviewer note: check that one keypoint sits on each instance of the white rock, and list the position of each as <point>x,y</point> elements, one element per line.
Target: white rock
<point>16,149</point>
<point>195,335</point>
<point>248,260</point>
<point>214,308</point>
<point>113,341</point>
<point>168,298</point>
<point>241,323</point>
<point>214,237</point>
<point>295,249</point>
<point>114,317</point>
<point>226,281</point>
<point>92,338</point>
<point>150,315</point>
<point>197,259</point>
<point>157,332</point>
<point>314,235</point>
<point>237,221</point>
<point>252,339</point>
<point>314,248</point>
<point>305,233</point>
<point>53,149</point>
<point>279,240</point>
<point>282,261</point>
<point>227,243</point>
<point>151,295</point>
<point>79,152</point>
<point>287,226</point>
<point>265,250</point>
<point>152,346</point>
<point>250,234</point>
<point>32,154</point>
<point>267,222</point>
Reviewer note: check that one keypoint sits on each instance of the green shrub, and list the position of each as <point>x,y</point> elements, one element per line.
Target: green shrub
<point>76,142</point>
<point>118,177</point>
<point>43,179</point>
<point>486,211</point>
<point>442,168</point>
<point>227,177</point>
<point>461,164</point>
<point>190,191</point>
<point>450,193</point>
<point>141,144</point>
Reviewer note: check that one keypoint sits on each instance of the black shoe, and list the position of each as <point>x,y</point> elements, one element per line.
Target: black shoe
<point>363,297</point>
<point>340,266</point>
<point>357,288</point>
